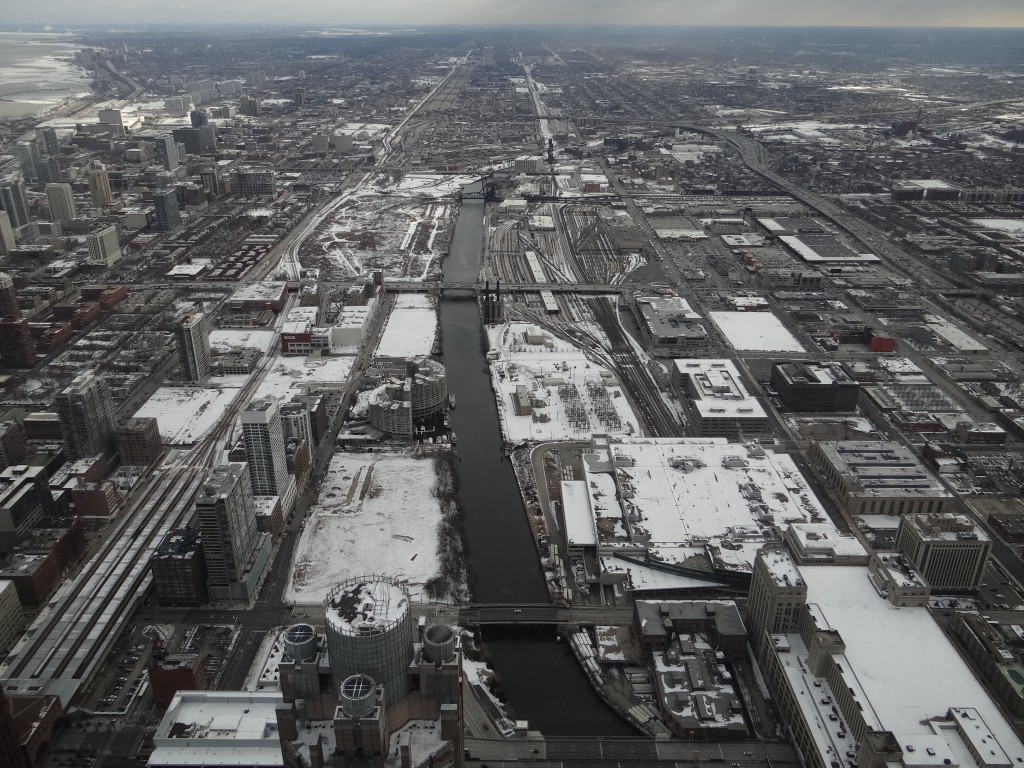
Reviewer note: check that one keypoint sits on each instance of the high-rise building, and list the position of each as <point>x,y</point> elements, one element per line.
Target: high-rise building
<point>99,188</point>
<point>104,246</point>
<point>48,141</point>
<point>179,569</point>
<point>211,180</point>
<point>167,151</point>
<point>7,241</point>
<point>17,345</point>
<point>167,213</point>
<point>13,449</point>
<point>13,200</point>
<point>86,416</point>
<point>253,182</point>
<point>138,441</point>
<point>62,203</point>
<point>112,117</point>
<point>263,436</point>
<point>948,549</point>
<point>226,519</point>
<point>193,334</point>
<point>8,297</point>
<point>28,156</point>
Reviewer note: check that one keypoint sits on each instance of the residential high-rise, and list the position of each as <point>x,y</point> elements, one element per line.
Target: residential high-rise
<point>17,345</point>
<point>104,246</point>
<point>167,213</point>
<point>13,448</point>
<point>948,549</point>
<point>193,334</point>
<point>263,436</point>
<point>226,520</point>
<point>13,200</point>
<point>8,297</point>
<point>29,158</point>
<point>62,202</point>
<point>99,188</point>
<point>86,416</point>
<point>7,241</point>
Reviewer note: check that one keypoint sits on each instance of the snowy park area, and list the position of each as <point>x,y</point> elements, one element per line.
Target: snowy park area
<point>411,327</point>
<point>186,414</point>
<point>568,396</point>
<point>375,514</point>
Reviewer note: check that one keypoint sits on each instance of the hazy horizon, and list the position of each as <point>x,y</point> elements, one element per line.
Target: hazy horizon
<point>981,14</point>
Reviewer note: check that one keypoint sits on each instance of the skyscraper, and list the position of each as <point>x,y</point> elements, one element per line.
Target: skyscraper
<point>167,214</point>
<point>7,241</point>
<point>13,200</point>
<point>62,203</point>
<point>104,247</point>
<point>167,151</point>
<point>226,519</point>
<point>86,416</point>
<point>48,141</point>
<point>193,335</point>
<point>28,156</point>
<point>263,435</point>
<point>17,345</point>
<point>99,188</point>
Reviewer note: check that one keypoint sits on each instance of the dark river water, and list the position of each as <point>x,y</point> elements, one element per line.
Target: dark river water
<point>541,678</point>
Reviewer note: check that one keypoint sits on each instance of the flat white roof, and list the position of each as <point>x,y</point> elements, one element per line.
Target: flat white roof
<point>720,392</point>
<point>755,332</point>
<point>579,518</point>
<point>904,664</point>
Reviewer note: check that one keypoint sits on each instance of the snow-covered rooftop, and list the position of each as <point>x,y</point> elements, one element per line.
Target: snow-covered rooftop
<point>366,607</point>
<point>755,332</point>
<point>579,517</point>
<point>411,327</point>
<point>186,414</point>
<point>717,389</point>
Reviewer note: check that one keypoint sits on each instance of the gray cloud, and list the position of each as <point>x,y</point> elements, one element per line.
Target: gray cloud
<point>980,13</point>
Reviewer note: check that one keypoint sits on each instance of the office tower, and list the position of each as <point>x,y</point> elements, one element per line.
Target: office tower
<point>194,345</point>
<point>8,297</point>
<point>86,416</point>
<point>7,241</point>
<point>62,203</point>
<point>48,141</point>
<point>947,548</point>
<point>13,200</point>
<point>49,169</point>
<point>226,519</point>
<point>197,117</point>
<point>99,188</point>
<point>138,441</point>
<point>167,215</point>
<point>211,180</point>
<point>104,248</point>
<point>17,346</point>
<point>167,151</point>
<point>13,449</point>
<point>263,436</point>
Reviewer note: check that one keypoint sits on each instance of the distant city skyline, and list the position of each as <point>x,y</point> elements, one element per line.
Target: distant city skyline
<point>327,13</point>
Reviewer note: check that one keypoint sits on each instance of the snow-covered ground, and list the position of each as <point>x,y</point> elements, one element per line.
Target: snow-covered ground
<point>375,514</point>
<point>755,332</point>
<point>434,184</point>
<point>542,368</point>
<point>186,414</point>
<point>293,375</point>
<point>227,339</point>
<point>411,328</point>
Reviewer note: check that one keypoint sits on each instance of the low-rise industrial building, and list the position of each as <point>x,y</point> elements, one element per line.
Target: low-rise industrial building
<point>671,327</point>
<point>815,387</point>
<point>880,478</point>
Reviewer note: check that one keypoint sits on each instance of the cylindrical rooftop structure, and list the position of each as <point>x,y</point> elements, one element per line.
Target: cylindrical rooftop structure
<point>438,643</point>
<point>357,697</point>
<point>300,642</point>
<point>369,631</point>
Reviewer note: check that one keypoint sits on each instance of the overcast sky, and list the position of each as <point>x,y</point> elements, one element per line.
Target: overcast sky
<point>954,13</point>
